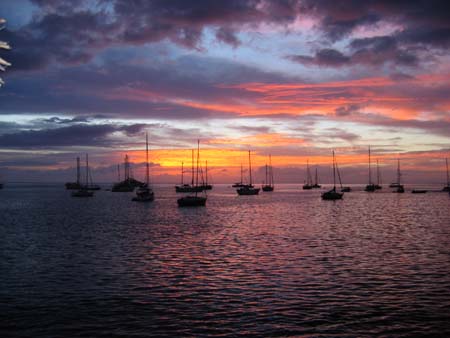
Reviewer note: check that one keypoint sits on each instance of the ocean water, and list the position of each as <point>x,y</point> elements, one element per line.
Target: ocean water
<point>279,264</point>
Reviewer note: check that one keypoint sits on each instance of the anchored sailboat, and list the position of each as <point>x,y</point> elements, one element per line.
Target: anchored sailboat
<point>145,193</point>
<point>194,200</point>
<point>75,185</point>
<point>241,182</point>
<point>332,194</point>
<point>399,185</point>
<point>129,183</point>
<point>269,184</point>
<point>371,186</point>
<point>206,185</point>
<point>308,184</point>
<point>316,181</point>
<point>83,191</point>
<point>184,187</point>
<point>248,189</point>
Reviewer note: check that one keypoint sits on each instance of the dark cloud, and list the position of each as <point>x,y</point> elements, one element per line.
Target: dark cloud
<point>323,57</point>
<point>368,51</point>
<point>228,36</point>
<point>74,135</point>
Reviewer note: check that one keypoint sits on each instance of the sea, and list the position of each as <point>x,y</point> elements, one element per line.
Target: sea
<point>280,264</point>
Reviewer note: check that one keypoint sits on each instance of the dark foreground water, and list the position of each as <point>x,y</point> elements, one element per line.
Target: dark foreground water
<point>280,264</point>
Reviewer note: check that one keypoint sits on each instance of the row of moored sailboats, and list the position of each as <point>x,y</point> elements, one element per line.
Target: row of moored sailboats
<point>199,183</point>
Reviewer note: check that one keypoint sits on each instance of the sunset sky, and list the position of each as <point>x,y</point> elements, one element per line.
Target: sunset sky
<point>294,79</point>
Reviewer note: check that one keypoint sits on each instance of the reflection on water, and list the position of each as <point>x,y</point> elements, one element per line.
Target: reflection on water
<point>277,264</point>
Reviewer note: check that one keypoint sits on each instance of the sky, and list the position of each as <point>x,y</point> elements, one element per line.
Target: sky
<point>294,79</point>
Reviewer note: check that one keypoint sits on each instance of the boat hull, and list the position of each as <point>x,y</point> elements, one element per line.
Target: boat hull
<point>73,186</point>
<point>192,201</point>
<point>418,191</point>
<point>267,188</point>
<point>247,191</point>
<point>82,193</point>
<point>370,188</point>
<point>332,195</point>
<point>188,188</point>
<point>307,187</point>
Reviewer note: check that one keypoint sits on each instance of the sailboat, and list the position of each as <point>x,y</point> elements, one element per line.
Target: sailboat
<point>371,186</point>
<point>194,200</point>
<point>248,189</point>
<point>75,185</point>
<point>399,186</point>
<point>145,193</point>
<point>239,184</point>
<point>343,189</point>
<point>268,185</point>
<point>184,187</point>
<point>206,185</point>
<point>378,185</point>
<point>447,187</point>
<point>308,184</point>
<point>129,183</point>
<point>332,194</point>
<point>83,191</point>
<point>316,181</point>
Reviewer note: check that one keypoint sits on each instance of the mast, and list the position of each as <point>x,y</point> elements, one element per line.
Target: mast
<point>271,170</point>
<point>87,170</point>
<point>118,172</point>
<point>308,174</point>
<point>192,169</point>
<point>78,170</point>
<point>198,157</point>
<point>398,171</point>
<point>267,180</point>
<point>182,173</point>
<point>127,168</point>
<point>334,174</point>
<point>242,171</point>
<point>370,170</point>
<point>147,171</point>
<point>206,172</point>
<point>339,175</point>
<point>316,180</point>
<point>250,167</point>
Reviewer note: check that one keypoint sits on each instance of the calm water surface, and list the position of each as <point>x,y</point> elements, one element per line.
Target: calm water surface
<point>279,264</point>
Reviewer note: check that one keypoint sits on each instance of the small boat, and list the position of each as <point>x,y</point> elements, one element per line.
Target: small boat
<point>83,191</point>
<point>316,184</point>
<point>75,185</point>
<point>129,183</point>
<point>332,194</point>
<point>447,187</point>
<point>268,185</point>
<point>371,187</point>
<point>145,193</point>
<point>308,183</point>
<point>418,191</point>
<point>343,189</point>
<point>248,189</point>
<point>206,185</point>
<point>393,185</point>
<point>194,200</point>
<point>184,187</point>
<point>399,187</point>
<point>239,184</point>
